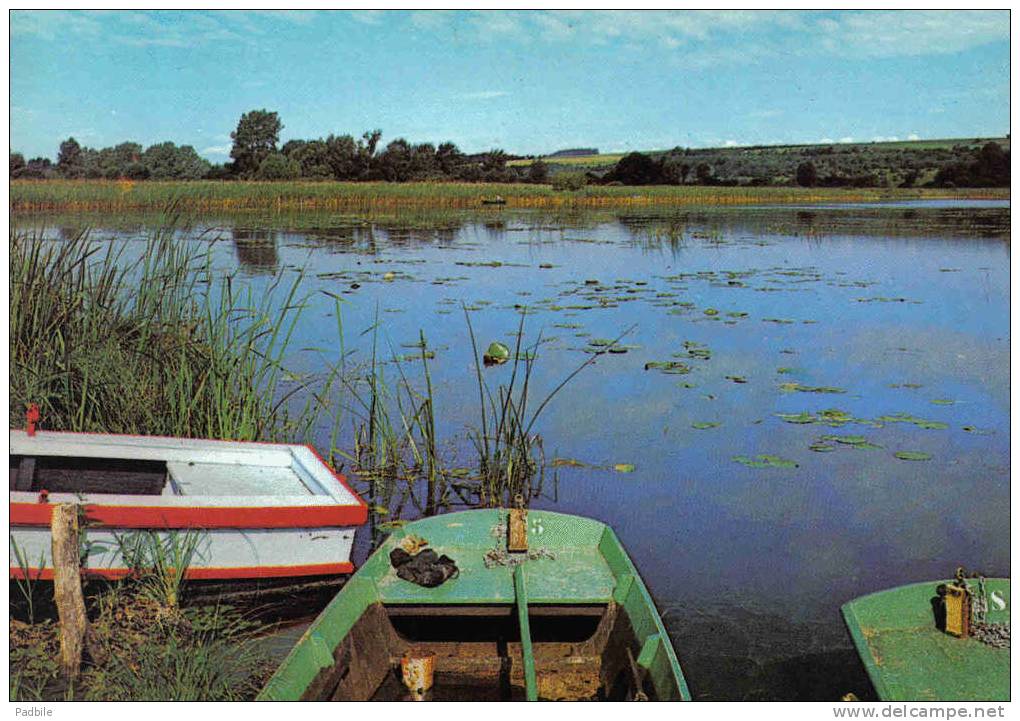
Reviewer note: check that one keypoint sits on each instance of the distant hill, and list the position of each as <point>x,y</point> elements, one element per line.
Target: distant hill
<point>894,163</point>
<point>574,153</point>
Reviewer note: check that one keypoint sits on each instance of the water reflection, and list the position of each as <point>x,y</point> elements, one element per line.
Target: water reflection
<point>256,250</point>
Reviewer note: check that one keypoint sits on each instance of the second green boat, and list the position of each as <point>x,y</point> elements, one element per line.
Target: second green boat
<point>568,619</point>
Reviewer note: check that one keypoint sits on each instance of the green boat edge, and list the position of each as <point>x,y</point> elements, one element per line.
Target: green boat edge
<point>314,650</point>
<point>851,618</point>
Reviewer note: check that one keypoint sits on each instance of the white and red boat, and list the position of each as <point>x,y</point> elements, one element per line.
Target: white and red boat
<point>261,510</point>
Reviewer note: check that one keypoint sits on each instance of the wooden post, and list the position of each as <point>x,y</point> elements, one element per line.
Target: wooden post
<point>67,587</point>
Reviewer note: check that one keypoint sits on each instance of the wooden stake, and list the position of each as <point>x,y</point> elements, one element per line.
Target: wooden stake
<point>67,587</point>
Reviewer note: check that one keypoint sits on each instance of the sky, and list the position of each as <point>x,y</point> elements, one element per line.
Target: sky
<point>529,82</point>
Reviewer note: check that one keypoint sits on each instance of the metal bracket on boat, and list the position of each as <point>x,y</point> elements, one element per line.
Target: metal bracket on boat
<point>517,528</point>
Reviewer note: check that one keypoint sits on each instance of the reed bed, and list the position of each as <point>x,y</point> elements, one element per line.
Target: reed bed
<point>86,195</point>
<point>109,338</point>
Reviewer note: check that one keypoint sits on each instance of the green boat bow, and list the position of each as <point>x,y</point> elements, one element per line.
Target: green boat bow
<point>576,569</point>
<point>909,659</point>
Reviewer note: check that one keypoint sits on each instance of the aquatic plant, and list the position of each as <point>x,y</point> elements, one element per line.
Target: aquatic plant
<point>116,338</point>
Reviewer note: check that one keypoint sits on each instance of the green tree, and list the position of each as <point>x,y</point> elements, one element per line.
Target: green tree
<point>69,159</point>
<point>277,166</point>
<point>807,175</point>
<point>17,164</point>
<point>538,172</point>
<point>166,161</point>
<point>256,136</point>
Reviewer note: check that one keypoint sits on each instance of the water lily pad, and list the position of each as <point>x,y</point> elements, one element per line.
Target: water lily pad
<point>672,367</point>
<point>913,456</point>
<point>736,379</point>
<point>496,354</point>
<point>858,442</point>
<point>704,425</point>
<point>801,388</point>
<point>568,463</point>
<point>919,422</point>
<point>624,468</point>
<point>821,447</point>
<point>765,461</point>
<point>711,312</point>
<point>796,417</point>
<point>943,402</point>
<point>389,275</point>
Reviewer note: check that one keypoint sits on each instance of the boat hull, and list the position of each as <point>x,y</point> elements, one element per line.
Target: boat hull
<point>254,510</point>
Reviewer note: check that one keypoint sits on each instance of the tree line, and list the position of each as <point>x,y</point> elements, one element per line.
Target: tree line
<point>256,155</point>
<point>963,165</point>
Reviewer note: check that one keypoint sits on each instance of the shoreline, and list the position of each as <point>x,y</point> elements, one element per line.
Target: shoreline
<point>102,195</point>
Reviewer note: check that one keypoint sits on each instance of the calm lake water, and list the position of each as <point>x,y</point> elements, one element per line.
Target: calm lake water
<point>896,317</point>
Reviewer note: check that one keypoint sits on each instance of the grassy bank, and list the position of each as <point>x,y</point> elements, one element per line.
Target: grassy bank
<point>61,195</point>
<point>143,643</point>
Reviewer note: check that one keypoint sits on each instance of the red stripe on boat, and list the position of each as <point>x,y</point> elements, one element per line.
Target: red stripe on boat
<point>340,478</point>
<point>38,514</point>
<point>209,574</point>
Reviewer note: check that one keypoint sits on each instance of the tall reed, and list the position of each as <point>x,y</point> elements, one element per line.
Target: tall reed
<point>115,338</point>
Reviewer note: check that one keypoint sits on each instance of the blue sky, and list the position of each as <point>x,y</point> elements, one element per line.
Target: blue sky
<point>524,81</point>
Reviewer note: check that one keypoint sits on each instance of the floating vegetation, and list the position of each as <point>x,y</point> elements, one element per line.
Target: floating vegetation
<point>906,385</point>
<point>496,354</point>
<point>859,442</point>
<point>624,468</point>
<point>881,299</point>
<point>568,463</point>
<point>801,388</point>
<point>919,422</point>
<point>802,418</point>
<point>943,402</point>
<point>671,367</point>
<point>736,379</point>
<point>913,456</point>
<point>821,447</point>
<point>978,431</point>
<point>779,321</point>
<point>711,312</point>
<point>766,461</point>
<point>704,425</point>
<point>785,370</point>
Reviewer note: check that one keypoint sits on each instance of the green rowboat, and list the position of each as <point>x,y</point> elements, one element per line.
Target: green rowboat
<point>573,621</point>
<point>909,659</point>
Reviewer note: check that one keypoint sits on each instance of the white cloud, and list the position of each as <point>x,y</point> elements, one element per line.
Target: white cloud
<point>217,150</point>
<point>846,139</point>
<point>367,17</point>
<point>911,32</point>
<point>730,144</point>
<point>913,136</point>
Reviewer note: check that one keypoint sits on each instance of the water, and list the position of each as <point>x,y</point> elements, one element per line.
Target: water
<point>904,309</point>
